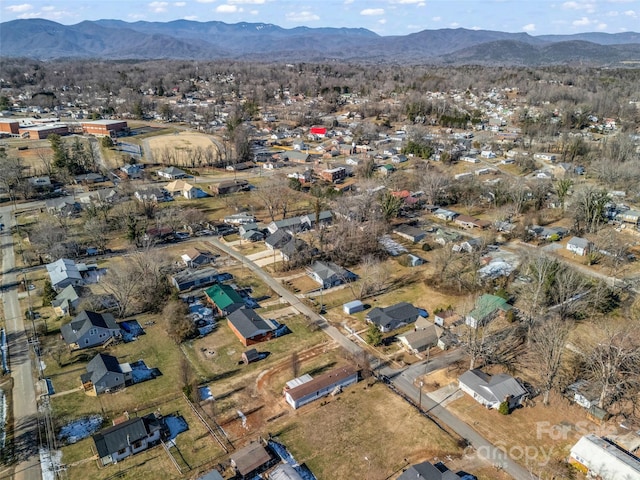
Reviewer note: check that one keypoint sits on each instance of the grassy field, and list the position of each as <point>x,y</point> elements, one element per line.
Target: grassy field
<point>372,427</point>
<point>194,448</point>
<point>155,348</point>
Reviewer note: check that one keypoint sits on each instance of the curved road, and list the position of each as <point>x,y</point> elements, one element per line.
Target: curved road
<point>25,409</point>
<point>403,379</point>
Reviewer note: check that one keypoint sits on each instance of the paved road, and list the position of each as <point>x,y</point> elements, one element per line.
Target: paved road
<point>403,379</point>
<point>25,410</point>
<point>294,301</point>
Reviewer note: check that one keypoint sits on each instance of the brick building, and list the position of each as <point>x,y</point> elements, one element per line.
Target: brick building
<point>104,128</point>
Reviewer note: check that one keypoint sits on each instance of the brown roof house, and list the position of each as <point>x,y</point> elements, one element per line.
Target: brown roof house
<point>251,460</point>
<point>309,389</point>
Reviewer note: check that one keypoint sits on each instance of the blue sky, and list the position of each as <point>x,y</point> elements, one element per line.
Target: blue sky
<point>385,17</point>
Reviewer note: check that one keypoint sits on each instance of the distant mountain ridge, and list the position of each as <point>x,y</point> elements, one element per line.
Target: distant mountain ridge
<point>183,39</point>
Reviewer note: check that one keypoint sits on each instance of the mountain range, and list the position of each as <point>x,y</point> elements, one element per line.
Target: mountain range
<point>183,39</point>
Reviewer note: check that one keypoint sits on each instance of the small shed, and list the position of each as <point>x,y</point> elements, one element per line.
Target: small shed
<point>353,307</point>
<point>250,355</point>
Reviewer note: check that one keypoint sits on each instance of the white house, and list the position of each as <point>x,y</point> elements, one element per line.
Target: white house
<point>579,246</point>
<point>491,391</point>
<point>601,458</point>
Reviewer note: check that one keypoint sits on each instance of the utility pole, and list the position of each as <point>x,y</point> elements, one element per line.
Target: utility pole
<point>420,401</point>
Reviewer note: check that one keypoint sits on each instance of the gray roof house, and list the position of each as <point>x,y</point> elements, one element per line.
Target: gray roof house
<point>579,246</point>
<point>491,391</point>
<point>66,301</point>
<point>63,206</point>
<point>249,327</point>
<point>429,471</point>
<point>172,173</point>
<point>105,374</point>
<point>89,329</point>
<point>395,316</point>
<point>188,278</point>
<point>328,274</point>
<point>64,272</point>
<point>127,438</point>
<point>410,233</point>
<point>420,340</point>
<point>277,240</point>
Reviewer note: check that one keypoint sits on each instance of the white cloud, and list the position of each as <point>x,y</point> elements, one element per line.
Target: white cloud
<point>304,16</point>
<point>136,16</point>
<point>205,1</point>
<point>588,7</point>
<point>612,13</point>
<point>382,21</point>
<point>406,2</point>
<point>48,8</point>
<point>601,26</point>
<point>582,22</point>
<point>475,27</point>
<point>246,2</point>
<point>226,8</point>
<point>159,7</point>
<point>422,4</point>
<point>454,24</point>
<point>631,13</point>
<point>348,2</point>
<point>529,27</point>
<point>621,1</point>
<point>25,7</point>
<point>436,19</point>
<point>191,17</point>
<point>180,4</point>
<point>254,12</point>
<point>372,11</point>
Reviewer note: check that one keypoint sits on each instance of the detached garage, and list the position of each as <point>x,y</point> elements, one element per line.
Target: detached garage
<point>353,307</point>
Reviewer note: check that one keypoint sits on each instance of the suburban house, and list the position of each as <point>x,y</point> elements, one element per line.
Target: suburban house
<point>429,471</point>
<point>132,170</point>
<point>187,279</point>
<point>90,329</point>
<point>395,316</point>
<point>599,457</point>
<point>410,233</point>
<point>242,218</point>
<point>328,274</point>
<point>184,189</point>
<point>309,221</point>
<point>151,194</point>
<point>172,173</point>
<point>446,318</point>
<point>66,301</point>
<point>194,258</point>
<point>230,186</point>
<point>579,246</point>
<point>491,391</point>
<point>547,233</point>
<point>277,240</point>
<point>467,221</point>
<point>295,248</point>
<point>249,327</point>
<point>105,374</point>
<point>444,214</point>
<point>64,272</point>
<point>63,206</point>
<point>628,216</point>
<point>251,460</point>
<point>127,438</point>
<point>224,298</point>
<point>414,260</point>
<point>487,307</point>
<point>420,340</point>
<point>310,389</point>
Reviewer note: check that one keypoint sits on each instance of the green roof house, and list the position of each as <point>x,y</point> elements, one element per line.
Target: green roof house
<point>225,298</point>
<point>487,307</point>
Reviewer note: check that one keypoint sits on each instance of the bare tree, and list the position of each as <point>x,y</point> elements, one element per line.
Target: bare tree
<point>548,345</point>
<point>97,231</point>
<point>612,362</point>
<point>272,194</point>
<point>122,282</point>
